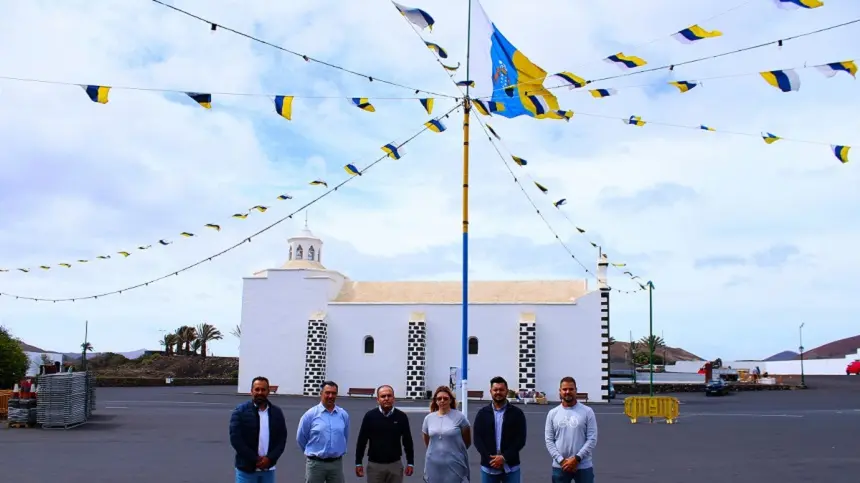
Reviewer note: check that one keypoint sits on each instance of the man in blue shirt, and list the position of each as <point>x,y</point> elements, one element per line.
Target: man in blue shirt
<point>499,433</point>
<point>322,435</point>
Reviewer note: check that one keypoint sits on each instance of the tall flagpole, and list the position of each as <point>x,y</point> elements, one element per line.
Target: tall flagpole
<point>467,106</point>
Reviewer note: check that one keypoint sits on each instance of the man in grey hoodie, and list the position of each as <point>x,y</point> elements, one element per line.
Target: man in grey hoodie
<point>571,436</point>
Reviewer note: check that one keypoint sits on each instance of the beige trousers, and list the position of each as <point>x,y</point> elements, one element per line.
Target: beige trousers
<point>387,473</point>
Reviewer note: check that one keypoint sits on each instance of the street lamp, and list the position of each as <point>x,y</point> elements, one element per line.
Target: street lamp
<point>802,375</point>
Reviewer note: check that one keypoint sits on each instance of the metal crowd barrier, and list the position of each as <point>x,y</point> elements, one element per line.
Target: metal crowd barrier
<point>636,407</point>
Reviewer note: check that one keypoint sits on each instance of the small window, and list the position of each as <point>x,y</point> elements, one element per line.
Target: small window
<point>311,253</point>
<point>368,345</point>
<point>473,345</point>
<point>299,253</point>
<point>291,253</point>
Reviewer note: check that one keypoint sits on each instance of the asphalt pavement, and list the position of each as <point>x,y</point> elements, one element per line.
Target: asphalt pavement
<point>179,434</point>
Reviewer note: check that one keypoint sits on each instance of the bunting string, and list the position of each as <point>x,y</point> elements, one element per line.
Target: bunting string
<point>790,82</point>
<point>628,63</point>
<point>391,150</point>
<point>282,103</point>
<point>215,26</point>
<point>416,18</point>
<point>838,150</point>
<point>491,134</point>
<point>673,34</point>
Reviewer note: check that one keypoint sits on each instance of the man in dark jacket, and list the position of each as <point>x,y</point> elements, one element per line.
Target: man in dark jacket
<point>258,433</point>
<point>499,433</point>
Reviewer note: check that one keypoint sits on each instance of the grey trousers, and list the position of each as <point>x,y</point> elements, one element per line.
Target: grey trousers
<point>323,472</point>
<point>385,473</point>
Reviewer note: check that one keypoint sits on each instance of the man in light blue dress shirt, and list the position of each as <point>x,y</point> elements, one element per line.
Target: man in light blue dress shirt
<point>322,436</point>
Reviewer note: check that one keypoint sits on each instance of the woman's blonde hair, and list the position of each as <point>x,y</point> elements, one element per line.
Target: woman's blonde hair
<point>447,390</point>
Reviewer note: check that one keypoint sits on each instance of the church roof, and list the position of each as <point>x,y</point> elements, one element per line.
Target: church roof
<point>519,292</point>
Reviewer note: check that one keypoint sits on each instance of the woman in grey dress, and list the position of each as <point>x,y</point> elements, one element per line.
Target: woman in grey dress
<point>447,436</point>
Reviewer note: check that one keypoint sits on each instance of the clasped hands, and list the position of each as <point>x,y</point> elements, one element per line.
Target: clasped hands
<point>497,461</point>
<point>263,463</point>
<point>569,465</point>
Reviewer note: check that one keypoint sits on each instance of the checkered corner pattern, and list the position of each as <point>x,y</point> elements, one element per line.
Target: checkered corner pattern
<point>527,356</point>
<point>604,342</point>
<point>315,357</point>
<point>416,362</point>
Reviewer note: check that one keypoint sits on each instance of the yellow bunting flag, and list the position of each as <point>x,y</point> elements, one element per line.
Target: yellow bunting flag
<point>436,49</point>
<point>435,125</point>
<point>428,104</point>
<point>97,93</point>
<point>213,226</point>
<point>363,103</point>
<point>204,100</point>
<point>841,152</point>
<point>319,182</point>
<point>284,106</point>
<point>625,62</point>
<point>393,151</point>
<point>694,33</point>
<point>541,187</point>
<point>352,170</point>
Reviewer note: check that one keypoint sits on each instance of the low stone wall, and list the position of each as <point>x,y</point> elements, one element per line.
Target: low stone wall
<point>160,381</point>
<point>639,388</point>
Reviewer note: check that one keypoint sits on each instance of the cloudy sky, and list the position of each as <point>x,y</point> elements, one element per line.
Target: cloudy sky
<point>743,240</point>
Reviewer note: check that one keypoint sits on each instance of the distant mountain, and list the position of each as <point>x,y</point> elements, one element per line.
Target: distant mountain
<point>835,350</point>
<point>619,352</point>
<point>31,348</point>
<point>128,355</point>
<point>832,350</point>
<point>783,356</point>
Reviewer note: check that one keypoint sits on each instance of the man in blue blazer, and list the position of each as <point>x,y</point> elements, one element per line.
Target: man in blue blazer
<point>258,433</point>
<point>499,433</point>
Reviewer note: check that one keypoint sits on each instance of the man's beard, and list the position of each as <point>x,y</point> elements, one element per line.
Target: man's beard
<point>261,400</point>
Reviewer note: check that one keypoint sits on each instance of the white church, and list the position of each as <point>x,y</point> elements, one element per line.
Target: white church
<point>303,323</point>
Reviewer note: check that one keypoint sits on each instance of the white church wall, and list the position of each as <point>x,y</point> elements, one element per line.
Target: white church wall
<point>569,344</point>
<point>348,365</point>
<point>495,327</point>
<point>275,313</point>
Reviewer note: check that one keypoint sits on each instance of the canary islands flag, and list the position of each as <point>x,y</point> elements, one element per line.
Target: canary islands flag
<point>503,74</point>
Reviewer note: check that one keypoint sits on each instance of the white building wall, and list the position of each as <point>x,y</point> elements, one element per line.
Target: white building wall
<point>813,367</point>
<point>275,313</point>
<point>348,365</point>
<point>36,361</point>
<point>569,344</point>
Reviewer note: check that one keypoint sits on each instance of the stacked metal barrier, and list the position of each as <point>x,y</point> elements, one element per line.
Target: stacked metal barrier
<point>64,399</point>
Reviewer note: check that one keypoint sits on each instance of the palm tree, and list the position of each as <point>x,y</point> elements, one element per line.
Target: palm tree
<point>205,334</point>
<point>85,347</point>
<point>652,343</point>
<point>185,335</point>
<point>236,332</point>
<point>168,342</point>
<point>611,340</point>
<point>196,344</point>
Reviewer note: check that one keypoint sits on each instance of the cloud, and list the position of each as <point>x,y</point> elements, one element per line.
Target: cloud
<point>774,256</point>
<point>661,195</point>
<point>78,179</point>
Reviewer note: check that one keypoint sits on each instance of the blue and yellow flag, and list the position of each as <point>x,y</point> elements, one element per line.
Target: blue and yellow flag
<point>97,93</point>
<point>504,75</point>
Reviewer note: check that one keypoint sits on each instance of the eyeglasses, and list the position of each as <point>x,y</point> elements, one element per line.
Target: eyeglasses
<point>440,399</point>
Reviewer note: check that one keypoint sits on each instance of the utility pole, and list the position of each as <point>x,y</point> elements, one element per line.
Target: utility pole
<point>802,375</point>
<point>651,335</point>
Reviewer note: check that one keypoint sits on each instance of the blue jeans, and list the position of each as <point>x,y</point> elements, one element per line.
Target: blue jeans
<point>255,477</point>
<point>585,475</point>
<point>512,477</point>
